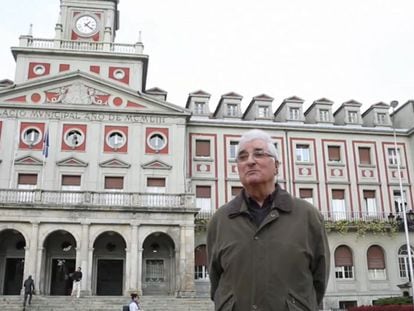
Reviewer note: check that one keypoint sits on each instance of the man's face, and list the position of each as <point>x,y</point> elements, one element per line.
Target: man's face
<point>255,164</point>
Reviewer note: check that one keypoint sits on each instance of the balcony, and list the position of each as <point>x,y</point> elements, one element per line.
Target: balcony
<point>95,200</point>
<point>82,46</point>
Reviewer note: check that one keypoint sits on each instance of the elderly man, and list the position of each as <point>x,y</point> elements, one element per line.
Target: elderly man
<point>267,250</point>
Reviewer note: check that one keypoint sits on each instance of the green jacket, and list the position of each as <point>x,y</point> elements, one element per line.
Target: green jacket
<point>281,265</point>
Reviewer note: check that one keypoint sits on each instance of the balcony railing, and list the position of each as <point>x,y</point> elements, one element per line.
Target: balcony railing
<point>28,41</point>
<point>96,199</point>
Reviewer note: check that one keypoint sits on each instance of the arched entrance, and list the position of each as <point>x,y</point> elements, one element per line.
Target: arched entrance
<point>12,244</point>
<point>109,264</point>
<point>59,262</point>
<point>158,265</point>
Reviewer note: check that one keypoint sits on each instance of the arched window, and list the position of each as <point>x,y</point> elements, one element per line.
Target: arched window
<point>403,261</point>
<point>376,263</point>
<point>344,266</point>
<point>200,271</point>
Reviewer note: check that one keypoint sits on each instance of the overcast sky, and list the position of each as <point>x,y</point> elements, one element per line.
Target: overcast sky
<point>338,49</point>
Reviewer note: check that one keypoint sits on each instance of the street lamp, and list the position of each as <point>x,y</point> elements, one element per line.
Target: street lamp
<point>394,105</point>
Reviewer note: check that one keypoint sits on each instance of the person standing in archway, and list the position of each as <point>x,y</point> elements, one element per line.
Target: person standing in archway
<point>28,290</point>
<point>77,277</point>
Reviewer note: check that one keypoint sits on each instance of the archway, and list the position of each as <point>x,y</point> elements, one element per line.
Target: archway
<point>59,263</point>
<point>109,264</point>
<point>12,253</point>
<point>158,265</point>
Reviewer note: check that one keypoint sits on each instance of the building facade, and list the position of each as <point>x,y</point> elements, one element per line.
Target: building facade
<point>98,171</point>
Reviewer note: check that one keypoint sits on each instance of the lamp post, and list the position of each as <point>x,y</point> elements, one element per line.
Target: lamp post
<point>394,104</point>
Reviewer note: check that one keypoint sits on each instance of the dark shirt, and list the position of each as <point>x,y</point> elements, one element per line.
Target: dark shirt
<point>77,276</point>
<point>258,213</point>
<point>28,286</point>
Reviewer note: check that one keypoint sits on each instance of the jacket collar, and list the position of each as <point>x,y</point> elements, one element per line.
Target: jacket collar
<point>282,201</point>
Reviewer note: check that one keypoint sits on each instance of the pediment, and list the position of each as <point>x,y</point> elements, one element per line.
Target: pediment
<point>28,160</point>
<point>115,163</point>
<point>72,162</point>
<point>263,97</point>
<point>82,90</point>
<point>156,164</point>
<point>232,95</point>
<point>294,99</point>
<point>200,93</point>
<point>323,100</point>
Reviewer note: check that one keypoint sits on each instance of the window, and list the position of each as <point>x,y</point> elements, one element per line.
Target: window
<point>394,157</point>
<point>232,110</point>
<point>306,194</point>
<point>324,115</point>
<point>403,261</point>
<point>398,201</point>
<point>263,111</point>
<point>199,107</point>
<point>114,184</point>
<point>344,266</point>
<point>200,271</point>
<point>376,263</point>
<point>352,117</point>
<point>157,141</point>
<point>334,154</point>
<point>302,153</point>
<point>116,139</point>
<point>31,136</point>
<point>364,155</point>
<point>233,150</point>
<point>381,118</point>
<point>370,203</point>
<point>203,199</point>
<point>74,138</point>
<point>154,270</point>
<point>155,185</point>
<point>294,113</point>
<point>71,183</point>
<point>202,148</point>
<point>26,182</point>
<point>235,190</point>
<point>338,204</point>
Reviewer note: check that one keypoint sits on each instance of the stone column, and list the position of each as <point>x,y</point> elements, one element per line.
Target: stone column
<point>83,257</point>
<point>89,274</point>
<point>31,253</point>
<point>40,279</point>
<point>139,271</point>
<point>186,271</point>
<point>133,259</point>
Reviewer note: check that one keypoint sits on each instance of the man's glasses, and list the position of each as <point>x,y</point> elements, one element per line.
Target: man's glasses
<point>257,155</point>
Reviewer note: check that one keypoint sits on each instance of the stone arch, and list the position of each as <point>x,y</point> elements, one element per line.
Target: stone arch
<point>158,264</point>
<point>98,232</point>
<point>58,261</point>
<point>109,263</point>
<point>12,259</point>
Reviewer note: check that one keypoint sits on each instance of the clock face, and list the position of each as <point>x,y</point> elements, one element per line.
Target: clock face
<point>86,25</point>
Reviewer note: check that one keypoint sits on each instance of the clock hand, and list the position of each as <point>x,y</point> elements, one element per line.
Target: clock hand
<point>87,25</point>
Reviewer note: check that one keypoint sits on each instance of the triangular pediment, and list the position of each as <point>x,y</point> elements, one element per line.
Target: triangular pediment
<point>263,97</point>
<point>80,90</point>
<point>200,93</point>
<point>156,164</point>
<point>294,99</point>
<point>28,160</point>
<point>232,95</point>
<point>115,163</point>
<point>72,162</point>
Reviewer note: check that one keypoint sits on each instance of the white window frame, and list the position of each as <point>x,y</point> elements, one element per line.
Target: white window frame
<point>294,113</point>
<point>232,110</point>
<point>338,209</point>
<point>370,205</point>
<point>233,146</point>
<point>377,274</point>
<point>199,107</point>
<point>392,156</point>
<point>344,272</point>
<point>381,118</point>
<point>263,111</point>
<point>352,117</point>
<point>324,115</point>
<point>302,152</point>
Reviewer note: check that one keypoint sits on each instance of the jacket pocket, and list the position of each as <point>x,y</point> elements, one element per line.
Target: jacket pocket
<point>224,303</point>
<point>295,304</point>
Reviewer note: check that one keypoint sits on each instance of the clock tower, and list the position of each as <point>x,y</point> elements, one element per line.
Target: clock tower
<point>86,20</point>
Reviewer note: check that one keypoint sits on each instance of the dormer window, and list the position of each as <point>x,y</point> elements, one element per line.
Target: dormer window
<point>323,115</point>
<point>294,113</point>
<point>263,111</point>
<point>352,117</point>
<point>381,118</point>
<point>231,110</point>
<point>199,107</point>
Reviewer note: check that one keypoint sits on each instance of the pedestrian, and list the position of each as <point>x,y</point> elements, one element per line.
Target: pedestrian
<point>266,249</point>
<point>134,304</point>
<point>29,289</point>
<point>77,277</point>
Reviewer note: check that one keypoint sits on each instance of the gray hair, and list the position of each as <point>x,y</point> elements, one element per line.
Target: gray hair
<point>257,134</point>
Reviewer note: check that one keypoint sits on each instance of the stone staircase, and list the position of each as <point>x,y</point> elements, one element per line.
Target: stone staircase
<point>104,303</point>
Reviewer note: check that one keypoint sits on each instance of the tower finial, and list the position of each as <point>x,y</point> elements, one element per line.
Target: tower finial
<point>30,30</point>
<point>140,36</point>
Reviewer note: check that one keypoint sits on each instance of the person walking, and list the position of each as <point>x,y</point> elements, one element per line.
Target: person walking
<point>77,277</point>
<point>29,288</point>
<point>266,249</point>
<point>134,304</point>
